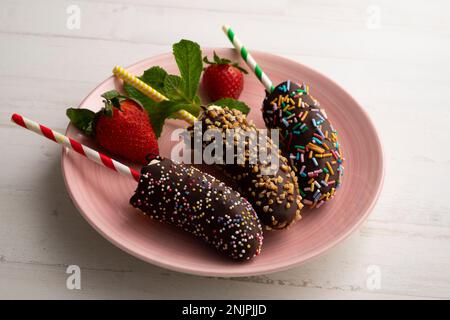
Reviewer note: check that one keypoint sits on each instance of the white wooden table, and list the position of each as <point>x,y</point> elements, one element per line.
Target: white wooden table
<point>393,56</point>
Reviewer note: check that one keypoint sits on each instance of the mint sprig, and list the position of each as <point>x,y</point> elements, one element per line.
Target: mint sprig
<point>189,60</point>
<point>155,76</point>
<point>181,90</point>
<point>173,89</point>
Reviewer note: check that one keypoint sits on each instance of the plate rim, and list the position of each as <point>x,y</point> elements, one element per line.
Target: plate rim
<point>266,270</point>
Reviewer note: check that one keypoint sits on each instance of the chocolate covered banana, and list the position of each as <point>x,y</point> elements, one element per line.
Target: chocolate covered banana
<point>272,191</point>
<point>308,140</point>
<point>200,204</point>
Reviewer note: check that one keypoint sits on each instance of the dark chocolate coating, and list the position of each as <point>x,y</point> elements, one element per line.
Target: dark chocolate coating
<point>307,139</point>
<point>274,197</point>
<point>200,204</point>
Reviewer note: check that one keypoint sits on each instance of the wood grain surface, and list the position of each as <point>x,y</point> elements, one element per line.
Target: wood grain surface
<point>393,57</point>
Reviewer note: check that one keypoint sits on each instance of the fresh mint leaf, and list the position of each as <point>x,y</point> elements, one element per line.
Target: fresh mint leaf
<point>156,111</point>
<point>197,103</point>
<point>180,90</point>
<point>170,107</point>
<point>189,107</point>
<point>173,89</point>
<point>188,57</point>
<point>232,104</point>
<point>82,119</point>
<point>165,109</point>
<point>139,97</point>
<point>155,77</point>
<point>157,119</point>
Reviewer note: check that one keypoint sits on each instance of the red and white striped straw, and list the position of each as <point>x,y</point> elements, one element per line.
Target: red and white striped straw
<point>89,153</point>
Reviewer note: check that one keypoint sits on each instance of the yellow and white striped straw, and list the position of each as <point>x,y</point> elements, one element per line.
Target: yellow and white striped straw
<point>138,84</point>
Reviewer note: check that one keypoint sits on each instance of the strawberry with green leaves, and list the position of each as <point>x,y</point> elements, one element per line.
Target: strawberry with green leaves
<point>222,78</point>
<point>122,127</point>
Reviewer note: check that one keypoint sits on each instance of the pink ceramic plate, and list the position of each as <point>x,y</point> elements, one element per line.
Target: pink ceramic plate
<point>102,196</point>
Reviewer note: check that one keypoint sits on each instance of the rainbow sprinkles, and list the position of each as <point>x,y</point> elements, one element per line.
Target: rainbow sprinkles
<point>308,140</point>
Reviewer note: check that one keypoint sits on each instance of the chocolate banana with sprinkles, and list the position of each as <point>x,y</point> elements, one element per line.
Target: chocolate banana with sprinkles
<point>200,204</point>
<point>274,196</point>
<point>307,139</point>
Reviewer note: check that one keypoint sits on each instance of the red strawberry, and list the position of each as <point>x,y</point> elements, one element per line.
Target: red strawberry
<point>127,132</point>
<point>122,127</point>
<point>222,78</point>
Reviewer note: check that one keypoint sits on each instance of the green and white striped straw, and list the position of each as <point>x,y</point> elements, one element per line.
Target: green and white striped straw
<point>248,59</point>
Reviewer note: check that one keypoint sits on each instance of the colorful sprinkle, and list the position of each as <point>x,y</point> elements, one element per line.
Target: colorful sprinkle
<point>310,138</point>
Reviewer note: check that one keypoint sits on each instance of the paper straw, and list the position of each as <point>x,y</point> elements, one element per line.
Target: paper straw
<point>149,92</point>
<point>89,153</point>
<point>248,59</point>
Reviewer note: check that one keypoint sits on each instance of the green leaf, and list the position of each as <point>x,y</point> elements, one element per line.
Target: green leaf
<point>165,109</point>
<point>170,107</point>
<point>108,95</point>
<point>232,104</point>
<point>138,96</point>
<point>116,103</point>
<point>197,102</point>
<point>180,90</point>
<point>191,108</point>
<point>237,66</point>
<point>205,60</point>
<point>112,100</point>
<point>219,60</point>
<point>155,77</point>
<point>189,60</point>
<point>156,119</point>
<point>83,119</point>
<point>173,89</point>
